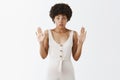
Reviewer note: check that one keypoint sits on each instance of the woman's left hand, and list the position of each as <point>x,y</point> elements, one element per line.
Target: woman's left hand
<point>82,36</point>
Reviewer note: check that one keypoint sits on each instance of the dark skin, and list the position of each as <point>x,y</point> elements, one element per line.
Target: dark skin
<point>60,34</point>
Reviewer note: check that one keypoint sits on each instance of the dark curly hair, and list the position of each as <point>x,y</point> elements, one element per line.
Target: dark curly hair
<point>60,8</point>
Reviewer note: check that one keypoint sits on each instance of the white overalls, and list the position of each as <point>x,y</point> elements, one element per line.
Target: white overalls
<point>59,56</point>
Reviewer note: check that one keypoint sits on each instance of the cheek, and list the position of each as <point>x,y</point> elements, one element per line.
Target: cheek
<point>65,22</point>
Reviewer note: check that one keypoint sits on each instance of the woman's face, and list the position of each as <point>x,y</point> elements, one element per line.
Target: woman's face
<point>60,20</point>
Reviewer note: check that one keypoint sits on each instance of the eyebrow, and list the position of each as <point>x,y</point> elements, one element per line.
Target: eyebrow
<point>59,16</point>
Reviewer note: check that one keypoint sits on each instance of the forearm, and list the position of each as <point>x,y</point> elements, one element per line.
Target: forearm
<point>78,51</point>
<point>43,52</point>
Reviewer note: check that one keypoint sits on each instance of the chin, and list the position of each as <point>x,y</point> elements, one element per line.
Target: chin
<point>61,25</point>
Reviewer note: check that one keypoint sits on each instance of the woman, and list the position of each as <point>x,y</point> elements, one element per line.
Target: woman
<point>60,43</point>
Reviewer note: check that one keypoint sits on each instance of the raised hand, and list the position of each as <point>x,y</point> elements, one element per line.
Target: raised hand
<point>82,35</point>
<point>40,35</point>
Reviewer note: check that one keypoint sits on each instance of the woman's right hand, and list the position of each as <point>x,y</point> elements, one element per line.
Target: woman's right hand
<point>40,35</point>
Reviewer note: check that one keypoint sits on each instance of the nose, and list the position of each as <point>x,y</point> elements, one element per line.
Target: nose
<point>60,20</point>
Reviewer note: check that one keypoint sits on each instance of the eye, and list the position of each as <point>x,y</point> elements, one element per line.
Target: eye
<point>64,17</point>
<point>58,18</point>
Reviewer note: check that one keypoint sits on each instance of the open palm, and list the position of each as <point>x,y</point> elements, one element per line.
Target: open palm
<point>40,35</point>
<point>82,35</point>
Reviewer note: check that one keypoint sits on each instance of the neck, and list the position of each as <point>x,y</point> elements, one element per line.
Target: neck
<point>60,30</point>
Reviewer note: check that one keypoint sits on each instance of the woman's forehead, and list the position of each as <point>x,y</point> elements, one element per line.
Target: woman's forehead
<point>61,15</point>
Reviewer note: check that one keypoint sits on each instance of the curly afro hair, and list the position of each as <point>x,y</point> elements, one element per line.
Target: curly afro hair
<point>60,8</point>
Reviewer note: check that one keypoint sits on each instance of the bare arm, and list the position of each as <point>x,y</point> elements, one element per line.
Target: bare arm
<point>43,41</point>
<point>78,43</point>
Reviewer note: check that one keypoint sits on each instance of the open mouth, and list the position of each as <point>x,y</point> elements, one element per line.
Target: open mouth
<point>61,24</point>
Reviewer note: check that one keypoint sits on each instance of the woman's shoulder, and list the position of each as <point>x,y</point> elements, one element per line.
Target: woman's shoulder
<point>74,32</point>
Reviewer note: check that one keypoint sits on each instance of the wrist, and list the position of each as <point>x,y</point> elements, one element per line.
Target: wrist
<point>80,43</point>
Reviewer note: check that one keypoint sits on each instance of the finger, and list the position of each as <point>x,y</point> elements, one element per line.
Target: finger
<point>37,34</point>
<point>39,30</point>
<point>82,30</point>
<point>85,33</point>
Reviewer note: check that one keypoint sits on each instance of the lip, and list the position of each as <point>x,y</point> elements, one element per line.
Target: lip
<point>61,24</point>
